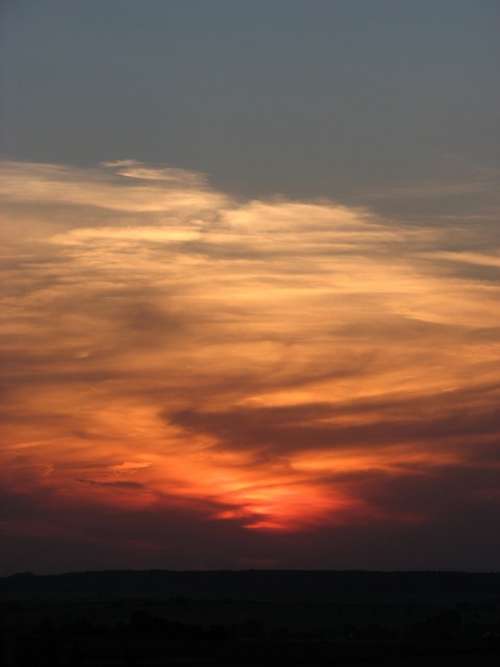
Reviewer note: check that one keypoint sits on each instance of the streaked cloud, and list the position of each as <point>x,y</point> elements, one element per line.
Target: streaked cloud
<point>107,187</point>
<point>272,365</point>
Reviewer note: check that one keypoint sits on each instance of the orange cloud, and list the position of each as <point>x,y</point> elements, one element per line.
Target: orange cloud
<point>262,362</point>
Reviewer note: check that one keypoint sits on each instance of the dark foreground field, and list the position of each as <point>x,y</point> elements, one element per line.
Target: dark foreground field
<point>249,618</point>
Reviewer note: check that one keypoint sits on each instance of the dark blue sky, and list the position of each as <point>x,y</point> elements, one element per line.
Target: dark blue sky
<point>323,98</point>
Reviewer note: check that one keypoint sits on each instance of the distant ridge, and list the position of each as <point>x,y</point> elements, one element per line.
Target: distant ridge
<point>314,585</point>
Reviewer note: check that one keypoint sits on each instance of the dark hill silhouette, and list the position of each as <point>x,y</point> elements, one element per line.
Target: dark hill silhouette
<point>263,584</point>
<point>252,617</point>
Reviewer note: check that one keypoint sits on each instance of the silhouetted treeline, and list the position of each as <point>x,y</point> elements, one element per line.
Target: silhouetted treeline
<point>213,618</point>
<point>146,640</point>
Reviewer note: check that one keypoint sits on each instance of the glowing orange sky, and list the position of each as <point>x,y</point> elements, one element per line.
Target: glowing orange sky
<point>274,365</point>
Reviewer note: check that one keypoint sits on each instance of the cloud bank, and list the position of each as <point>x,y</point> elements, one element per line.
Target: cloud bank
<point>181,366</point>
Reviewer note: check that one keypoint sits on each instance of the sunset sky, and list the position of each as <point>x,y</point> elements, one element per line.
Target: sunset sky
<point>250,284</point>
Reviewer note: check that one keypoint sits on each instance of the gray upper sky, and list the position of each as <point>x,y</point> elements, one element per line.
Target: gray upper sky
<point>195,376</point>
<point>306,98</point>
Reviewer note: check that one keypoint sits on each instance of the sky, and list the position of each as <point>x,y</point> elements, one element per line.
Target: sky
<point>249,285</point>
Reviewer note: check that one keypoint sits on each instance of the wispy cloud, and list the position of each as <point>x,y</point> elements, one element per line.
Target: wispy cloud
<point>108,187</point>
<point>273,365</point>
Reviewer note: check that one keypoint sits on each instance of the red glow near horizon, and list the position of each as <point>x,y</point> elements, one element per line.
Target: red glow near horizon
<point>262,362</point>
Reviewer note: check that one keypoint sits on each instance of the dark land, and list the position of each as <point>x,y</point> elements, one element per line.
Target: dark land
<point>251,618</point>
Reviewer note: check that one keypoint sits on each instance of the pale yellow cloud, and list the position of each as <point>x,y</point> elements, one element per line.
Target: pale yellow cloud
<point>178,343</point>
<point>477,258</point>
<point>180,194</point>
